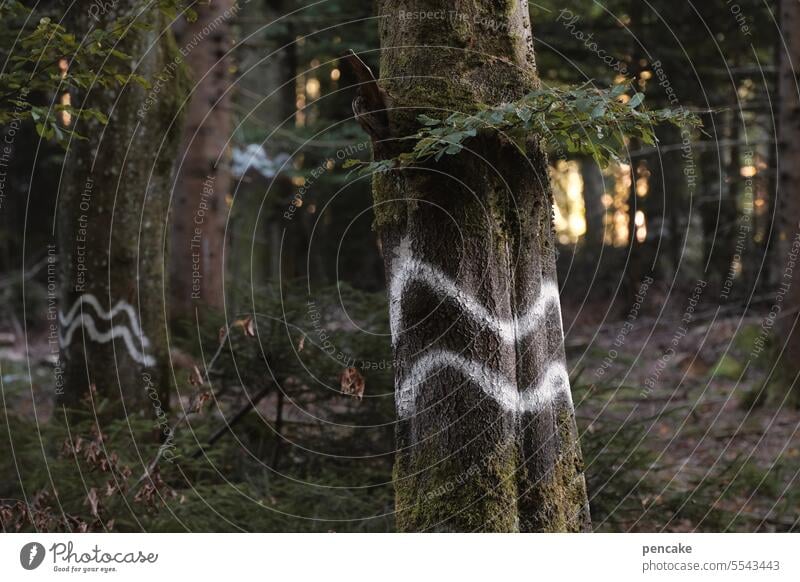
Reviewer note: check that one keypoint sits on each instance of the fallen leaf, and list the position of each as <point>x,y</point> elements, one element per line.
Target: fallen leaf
<point>202,398</point>
<point>249,327</point>
<point>92,500</point>
<point>195,377</point>
<point>352,383</point>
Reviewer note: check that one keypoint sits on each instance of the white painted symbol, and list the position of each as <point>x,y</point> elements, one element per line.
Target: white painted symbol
<point>78,318</point>
<point>554,380</point>
<point>552,383</point>
<point>411,270</point>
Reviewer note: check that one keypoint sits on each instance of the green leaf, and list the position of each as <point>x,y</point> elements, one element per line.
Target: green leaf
<point>429,121</point>
<point>636,100</point>
<point>618,90</point>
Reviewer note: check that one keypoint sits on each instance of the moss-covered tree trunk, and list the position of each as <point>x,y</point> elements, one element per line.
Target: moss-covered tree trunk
<point>111,223</point>
<point>486,437</point>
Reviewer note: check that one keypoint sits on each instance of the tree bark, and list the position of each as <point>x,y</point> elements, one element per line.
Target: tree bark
<point>788,180</point>
<point>486,437</point>
<point>111,224</point>
<point>197,272</point>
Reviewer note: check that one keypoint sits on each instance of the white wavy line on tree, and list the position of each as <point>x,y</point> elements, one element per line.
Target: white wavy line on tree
<point>409,269</point>
<point>121,306</point>
<point>73,321</point>
<point>550,385</point>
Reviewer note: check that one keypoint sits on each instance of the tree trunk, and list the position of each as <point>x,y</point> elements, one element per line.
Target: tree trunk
<point>593,190</point>
<point>719,213</point>
<point>710,208</point>
<point>486,437</point>
<point>675,196</point>
<point>199,211</point>
<point>788,180</point>
<point>266,90</point>
<point>111,224</point>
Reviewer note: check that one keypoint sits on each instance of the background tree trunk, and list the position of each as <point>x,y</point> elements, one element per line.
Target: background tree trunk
<point>204,175</point>
<point>111,224</point>
<point>486,437</point>
<point>788,181</point>
<point>593,190</point>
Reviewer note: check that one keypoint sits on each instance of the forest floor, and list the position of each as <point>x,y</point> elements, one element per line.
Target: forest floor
<point>675,437</point>
<point>674,406</point>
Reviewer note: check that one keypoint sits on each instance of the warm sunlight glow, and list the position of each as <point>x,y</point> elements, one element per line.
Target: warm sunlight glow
<point>617,233</point>
<point>569,211</point>
<point>748,171</point>
<point>312,88</point>
<point>66,116</point>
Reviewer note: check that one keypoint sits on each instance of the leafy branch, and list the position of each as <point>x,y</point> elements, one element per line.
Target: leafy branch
<point>580,120</point>
<point>36,53</point>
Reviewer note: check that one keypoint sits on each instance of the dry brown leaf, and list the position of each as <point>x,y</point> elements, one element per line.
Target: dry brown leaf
<point>247,324</point>
<point>352,383</point>
<point>202,398</point>
<point>301,344</point>
<point>93,501</point>
<point>195,377</point>
<point>249,327</point>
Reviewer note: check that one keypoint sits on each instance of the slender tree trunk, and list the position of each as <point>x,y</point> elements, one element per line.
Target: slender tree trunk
<point>719,212</point>
<point>788,180</point>
<point>199,211</point>
<point>111,222</point>
<point>486,430</point>
<point>674,192</point>
<point>653,205</point>
<point>633,269</point>
<point>593,189</point>
<point>267,92</point>
<point>710,208</point>
<point>729,211</point>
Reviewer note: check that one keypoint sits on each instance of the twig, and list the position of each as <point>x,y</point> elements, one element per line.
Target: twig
<point>223,430</point>
<point>23,275</point>
<point>154,463</point>
<point>278,427</point>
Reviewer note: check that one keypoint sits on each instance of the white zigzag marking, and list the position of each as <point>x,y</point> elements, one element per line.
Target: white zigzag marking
<point>73,321</point>
<point>511,330</point>
<point>90,299</point>
<point>553,382</point>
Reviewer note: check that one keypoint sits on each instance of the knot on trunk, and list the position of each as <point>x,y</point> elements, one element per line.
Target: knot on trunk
<point>371,103</point>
